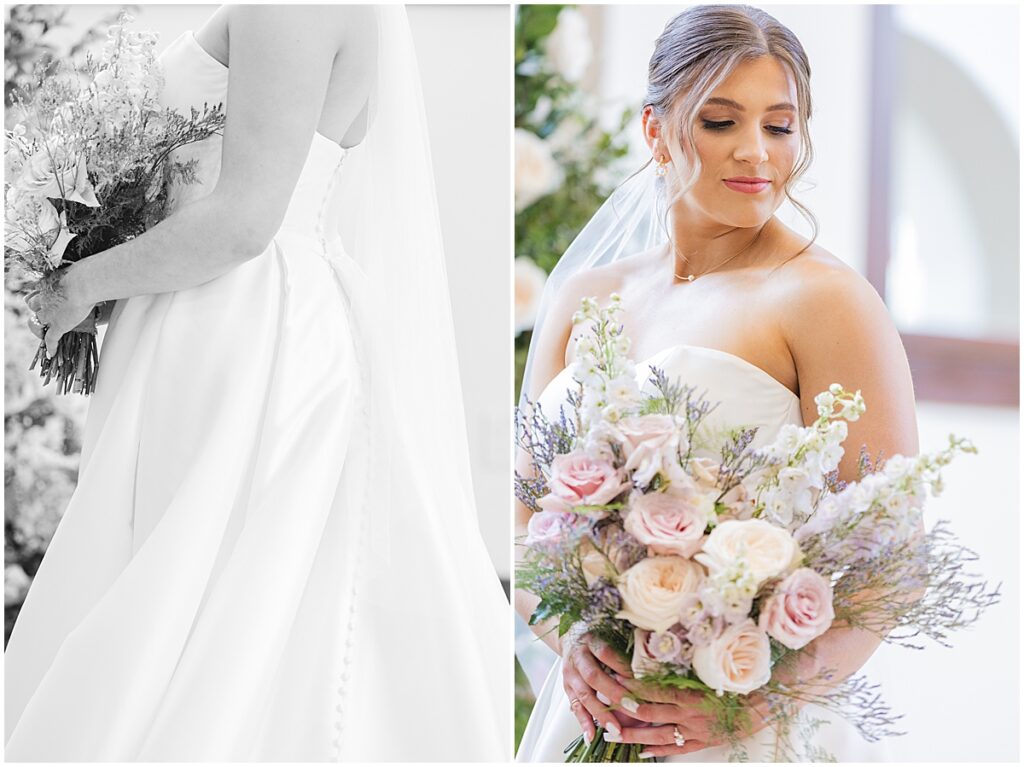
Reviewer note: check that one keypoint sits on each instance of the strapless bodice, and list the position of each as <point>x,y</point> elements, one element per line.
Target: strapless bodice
<point>192,78</point>
<point>748,396</point>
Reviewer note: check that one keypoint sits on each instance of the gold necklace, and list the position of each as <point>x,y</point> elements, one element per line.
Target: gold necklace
<point>692,277</point>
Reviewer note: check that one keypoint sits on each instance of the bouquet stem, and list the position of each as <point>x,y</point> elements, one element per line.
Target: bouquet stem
<point>600,750</point>
<point>74,364</point>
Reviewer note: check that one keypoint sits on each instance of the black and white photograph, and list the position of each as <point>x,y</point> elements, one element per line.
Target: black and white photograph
<point>257,443</point>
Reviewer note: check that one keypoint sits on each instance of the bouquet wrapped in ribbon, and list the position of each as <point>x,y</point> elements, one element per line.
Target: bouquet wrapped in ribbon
<point>710,574</point>
<point>87,167</point>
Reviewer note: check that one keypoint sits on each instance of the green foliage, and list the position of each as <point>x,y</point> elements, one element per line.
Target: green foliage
<point>563,115</point>
<point>524,702</point>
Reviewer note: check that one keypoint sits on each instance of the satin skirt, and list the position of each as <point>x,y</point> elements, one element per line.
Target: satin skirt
<point>207,595</point>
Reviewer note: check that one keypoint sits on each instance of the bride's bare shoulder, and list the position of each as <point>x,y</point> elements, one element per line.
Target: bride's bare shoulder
<point>600,282</point>
<point>818,296</point>
<point>815,278</point>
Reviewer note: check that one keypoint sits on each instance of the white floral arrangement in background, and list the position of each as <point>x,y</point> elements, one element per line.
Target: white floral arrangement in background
<point>566,161</point>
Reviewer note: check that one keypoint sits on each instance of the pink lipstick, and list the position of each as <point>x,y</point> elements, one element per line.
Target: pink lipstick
<point>747,184</point>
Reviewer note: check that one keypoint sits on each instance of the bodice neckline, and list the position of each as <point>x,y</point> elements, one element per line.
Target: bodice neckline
<point>715,353</point>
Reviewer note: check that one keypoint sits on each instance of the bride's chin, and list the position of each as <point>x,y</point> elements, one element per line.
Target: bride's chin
<point>750,219</point>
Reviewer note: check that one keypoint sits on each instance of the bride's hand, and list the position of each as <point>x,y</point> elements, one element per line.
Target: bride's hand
<point>589,687</point>
<point>671,716</point>
<point>57,310</point>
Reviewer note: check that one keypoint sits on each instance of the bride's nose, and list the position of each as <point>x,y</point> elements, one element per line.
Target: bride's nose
<point>751,148</point>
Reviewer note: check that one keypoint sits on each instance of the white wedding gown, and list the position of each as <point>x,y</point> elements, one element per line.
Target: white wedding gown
<point>199,599</point>
<point>749,397</point>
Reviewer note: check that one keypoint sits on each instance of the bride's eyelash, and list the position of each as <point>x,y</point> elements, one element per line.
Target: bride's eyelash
<point>713,125</point>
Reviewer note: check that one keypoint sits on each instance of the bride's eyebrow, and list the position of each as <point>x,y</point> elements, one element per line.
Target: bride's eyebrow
<point>782,106</point>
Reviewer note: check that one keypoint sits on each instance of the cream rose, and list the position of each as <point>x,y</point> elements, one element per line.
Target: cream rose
<point>537,171</point>
<point>768,550</point>
<point>568,47</point>
<point>799,610</point>
<point>654,591</point>
<point>739,660</point>
<point>578,480</point>
<point>671,522</point>
<point>529,279</point>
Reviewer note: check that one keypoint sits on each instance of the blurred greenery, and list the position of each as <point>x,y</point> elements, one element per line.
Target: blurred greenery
<point>565,117</point>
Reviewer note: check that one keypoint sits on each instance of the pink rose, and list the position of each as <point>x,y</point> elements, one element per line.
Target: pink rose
<point>652,444</point>
<point>799,610</point>
<point>671,522</point>
<point>578,480</point>
<point>549,527</point>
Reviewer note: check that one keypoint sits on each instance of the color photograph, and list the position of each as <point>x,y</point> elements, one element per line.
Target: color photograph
<point>767,345</point>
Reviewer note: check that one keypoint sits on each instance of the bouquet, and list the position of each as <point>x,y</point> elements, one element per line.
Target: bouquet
<point>710,573</point>
<point>87,167</point>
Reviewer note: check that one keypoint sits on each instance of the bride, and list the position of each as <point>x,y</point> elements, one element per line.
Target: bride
<point>717,290</point>
<point>272,553</point>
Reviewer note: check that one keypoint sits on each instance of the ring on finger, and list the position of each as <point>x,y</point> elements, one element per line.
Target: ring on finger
<point>574,703</point>
<point>678,736</point>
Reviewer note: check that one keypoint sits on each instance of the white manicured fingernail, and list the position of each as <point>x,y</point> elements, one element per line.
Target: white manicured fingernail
<point>603,698</point>
<point>629,704</point>
<point>646,755</point>
<point>612,738</point>
<point>587,737</point>
<point>613,729</point>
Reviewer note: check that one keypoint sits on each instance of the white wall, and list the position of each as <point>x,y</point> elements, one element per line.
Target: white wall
<point>464,54</point>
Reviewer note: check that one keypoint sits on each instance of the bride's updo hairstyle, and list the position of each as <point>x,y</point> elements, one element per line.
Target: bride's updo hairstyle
<point>695,53</point>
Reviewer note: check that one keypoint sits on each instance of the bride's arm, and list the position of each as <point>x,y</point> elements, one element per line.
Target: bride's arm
<point>839,331</point>
<point>280,65</point>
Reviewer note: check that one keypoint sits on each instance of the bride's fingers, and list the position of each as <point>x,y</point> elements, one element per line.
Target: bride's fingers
<point>658,694</point>
<point>585,694</point>
<point>608,655</point>
<point>667,713</point>
<point>595,676</point>
<point>586,721</point>
<point>687,748</point>
<point>663,735</point>
<point>35,326</point>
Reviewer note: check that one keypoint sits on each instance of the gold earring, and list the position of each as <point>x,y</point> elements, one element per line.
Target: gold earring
<point>662,170</point>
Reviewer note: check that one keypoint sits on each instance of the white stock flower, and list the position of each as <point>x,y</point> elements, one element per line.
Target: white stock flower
<point>529,279</point>
<point>537,172</point>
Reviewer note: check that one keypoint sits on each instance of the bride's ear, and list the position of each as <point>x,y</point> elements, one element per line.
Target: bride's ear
<point>652,130</point>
